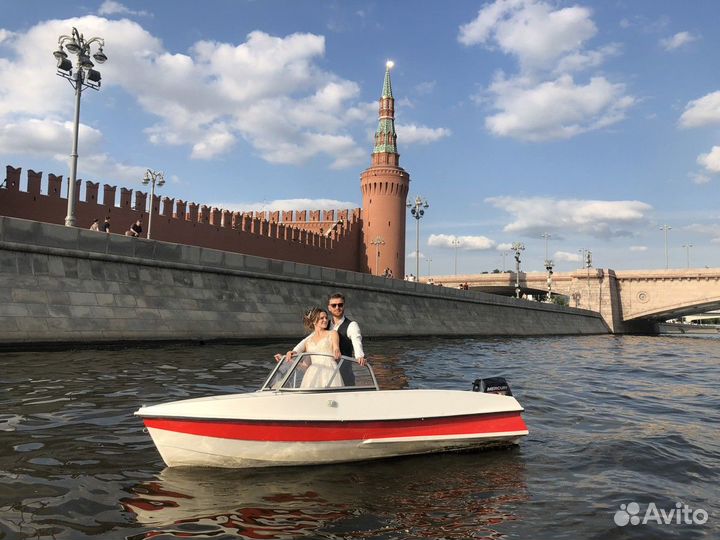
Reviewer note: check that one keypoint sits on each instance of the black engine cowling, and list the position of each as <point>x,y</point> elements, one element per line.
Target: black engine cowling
<point>492,385</point>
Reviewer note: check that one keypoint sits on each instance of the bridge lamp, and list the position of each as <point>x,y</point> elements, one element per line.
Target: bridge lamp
<point>456,244</point>
<point>84,77</point>
<point>546,236</point>
<point>517,247</point>
<point>666,228</point>
<point>687,253</point>
<point>417,210</point>
<point>154,178</point>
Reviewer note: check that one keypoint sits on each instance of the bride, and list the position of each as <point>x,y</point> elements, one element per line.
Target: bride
<point>321,340</point>
<point>319,368</point>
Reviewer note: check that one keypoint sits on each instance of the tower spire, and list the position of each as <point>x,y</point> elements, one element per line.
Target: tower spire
<point>387,86</point>
<point>385,136</point>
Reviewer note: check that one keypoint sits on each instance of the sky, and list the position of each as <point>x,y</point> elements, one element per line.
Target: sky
<point>567,126</point>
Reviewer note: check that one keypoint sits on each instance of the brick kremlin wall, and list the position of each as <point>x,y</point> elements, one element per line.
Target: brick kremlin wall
<point>322,238</point>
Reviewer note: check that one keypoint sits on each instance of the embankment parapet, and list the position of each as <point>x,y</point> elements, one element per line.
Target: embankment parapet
<point>61,284</point>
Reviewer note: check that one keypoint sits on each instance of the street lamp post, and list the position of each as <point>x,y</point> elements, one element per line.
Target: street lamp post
<point>546,236</point>
<point>549,267</point>
<point>154,178</point>
<point>687,253</point>
<point>456,244</point>
<point>666,228</point>
<point>582,252</point>
<point>588,264</point>
<point>429,260</point>
<point>377,243</point>
<point>517,247</point>
<point>85,77</point>
<point>417,210</point>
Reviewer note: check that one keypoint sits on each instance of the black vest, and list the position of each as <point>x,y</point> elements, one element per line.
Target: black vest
<point>346,349</point>
<point>346,346</point>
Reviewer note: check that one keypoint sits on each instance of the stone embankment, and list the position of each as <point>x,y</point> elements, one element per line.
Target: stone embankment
<point>66,285</point>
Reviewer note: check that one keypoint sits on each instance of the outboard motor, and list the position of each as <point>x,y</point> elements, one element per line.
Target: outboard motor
<point>492,385</point>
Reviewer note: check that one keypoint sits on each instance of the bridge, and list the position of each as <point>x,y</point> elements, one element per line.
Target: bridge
<point>629,301</point>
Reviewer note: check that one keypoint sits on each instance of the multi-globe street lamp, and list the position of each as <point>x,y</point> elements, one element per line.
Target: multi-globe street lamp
<point>587,262</point>
<point>156,178</point>
<point>517,247</point>
<point>377,243</point>
<point>548,266</point>
<point>84,77</point>
<point>417,210</point>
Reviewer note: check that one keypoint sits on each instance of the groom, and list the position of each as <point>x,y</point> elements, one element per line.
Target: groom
<point>350,337</point>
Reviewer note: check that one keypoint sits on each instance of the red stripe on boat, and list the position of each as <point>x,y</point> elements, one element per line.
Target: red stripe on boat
<point>342,431</point>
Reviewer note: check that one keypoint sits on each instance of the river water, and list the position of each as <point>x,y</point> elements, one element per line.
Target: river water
<point>613,420</point>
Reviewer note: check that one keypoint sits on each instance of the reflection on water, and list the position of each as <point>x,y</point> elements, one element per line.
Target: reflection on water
<point>457,496</point>
<point>612,419</point>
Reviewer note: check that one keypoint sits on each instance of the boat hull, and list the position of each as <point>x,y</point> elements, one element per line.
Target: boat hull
<point>242,443</point>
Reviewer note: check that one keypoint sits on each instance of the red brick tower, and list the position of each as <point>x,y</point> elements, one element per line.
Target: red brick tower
<point>384,188</point>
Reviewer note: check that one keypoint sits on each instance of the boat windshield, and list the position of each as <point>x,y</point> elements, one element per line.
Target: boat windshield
<point>299,374</point>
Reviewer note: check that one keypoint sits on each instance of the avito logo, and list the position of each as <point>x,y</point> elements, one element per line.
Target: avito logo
<point>682,514</point>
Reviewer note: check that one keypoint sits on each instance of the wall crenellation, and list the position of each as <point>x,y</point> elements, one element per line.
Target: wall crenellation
<point>309,236</point>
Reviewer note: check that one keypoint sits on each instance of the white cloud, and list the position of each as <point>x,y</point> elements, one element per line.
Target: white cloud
<point>702,111</point>
<point>531,30</point>
<point>543,101</point>
<point>582,60</point>
<point>285,205</point>
<point>270,91</point>
<point>466,243</point>
<point>638,248</point>
<point>566,256</point>
<point>678,40</point>
<point>712,230</point>
<point>110,7</point>
<point>601,219</point>
<point>413,255</point>
<point>504,246</point>
<point>711,160</point>
<point>5,35</point>
<point>700,179</point>
<point>427,87</point>
<point>413,134</point>
<point>557,109</point>
<point>48,138</point>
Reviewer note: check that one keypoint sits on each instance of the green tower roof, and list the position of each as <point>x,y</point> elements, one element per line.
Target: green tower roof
<point>387,87</point>
<point>385,132</point>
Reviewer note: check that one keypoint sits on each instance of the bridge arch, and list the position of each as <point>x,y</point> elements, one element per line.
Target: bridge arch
<point>628,300</point>
<point>677,309</point>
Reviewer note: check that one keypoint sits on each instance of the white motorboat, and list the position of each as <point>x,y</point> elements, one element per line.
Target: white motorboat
<point>285,424</point>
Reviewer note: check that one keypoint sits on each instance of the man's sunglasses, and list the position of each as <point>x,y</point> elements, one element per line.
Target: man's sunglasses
<point>337,305</point>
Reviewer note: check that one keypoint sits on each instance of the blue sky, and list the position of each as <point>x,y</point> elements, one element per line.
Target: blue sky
<point>594,122</point>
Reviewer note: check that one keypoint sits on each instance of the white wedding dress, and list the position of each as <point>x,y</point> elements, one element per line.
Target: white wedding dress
<point>322,368</point>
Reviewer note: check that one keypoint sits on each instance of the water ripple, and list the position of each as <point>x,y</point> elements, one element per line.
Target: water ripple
<point>612,419</point>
